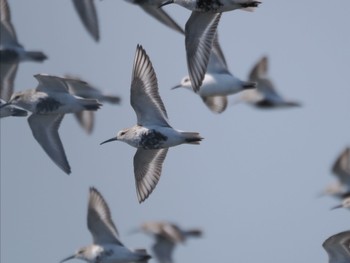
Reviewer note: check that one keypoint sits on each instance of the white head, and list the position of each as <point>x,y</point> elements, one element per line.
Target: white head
<point>185,83</point>
<point>124,135</point>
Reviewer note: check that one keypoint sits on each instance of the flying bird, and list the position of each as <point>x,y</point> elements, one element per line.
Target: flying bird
<point>338,247</point>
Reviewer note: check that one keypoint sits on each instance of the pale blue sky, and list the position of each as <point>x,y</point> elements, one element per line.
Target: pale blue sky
<point>251,184</point>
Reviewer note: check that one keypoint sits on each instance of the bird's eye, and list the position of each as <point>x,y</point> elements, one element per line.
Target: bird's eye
<point>122,133</point>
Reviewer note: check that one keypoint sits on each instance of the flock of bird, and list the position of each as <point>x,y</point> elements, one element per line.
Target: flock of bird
<point>208,77</point>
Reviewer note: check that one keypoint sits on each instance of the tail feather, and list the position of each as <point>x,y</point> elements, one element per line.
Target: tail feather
<point>192,137</point>
<point>194,232</point>
<point>249,85</point>
<point>111,99</point>
<point>143,254</point>
<point>90,104</point>
<point>36,55</point>
<point>250,5</point>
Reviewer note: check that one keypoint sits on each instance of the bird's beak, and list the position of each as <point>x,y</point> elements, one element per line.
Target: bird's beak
<point>166,3</point>
<point>110,140</point>
<point>177,86</point>
<point>337,206</point>
<point>68,258</point>
<point>6,104</point>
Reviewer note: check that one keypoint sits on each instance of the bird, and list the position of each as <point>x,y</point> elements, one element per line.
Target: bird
<point>152,135</point>
<point>49,102</point>
<point>345,202</point>
<point>10,110</point>
<point>11,52</point>
<point>218,82</point>
<point>167,235</point>
<point>265,95</point>
<point>81,88</point>
<point>200,30</point>
<point>338,247</point>
<point>152,8</point>
<point>88,15</point>
<point>106,247</point>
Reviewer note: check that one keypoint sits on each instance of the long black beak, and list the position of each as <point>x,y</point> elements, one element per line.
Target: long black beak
<point>166,3</point>
<point>68,258</point>
<point>337,206</point>
<point>177,86</point>
<point>109,140</point>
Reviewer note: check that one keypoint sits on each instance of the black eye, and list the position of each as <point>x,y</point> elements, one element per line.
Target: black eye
<point>122,133</point>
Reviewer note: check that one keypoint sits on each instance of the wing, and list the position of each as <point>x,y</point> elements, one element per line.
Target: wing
<point>8,34</point>
<point>51,83</point>
<point>162,16</point>
<point>88,16</point>
<point>147,169</point>
<point>45,131</point>
<point>7,77</point>
<point>216,104</point>
<point>218,51</point>
<point>341,167</point>
<point>99,220</point>
<point>259,70</point>
<point>86,120</point>
<point>200,32</point>
<point>338,247</point>
<point>163,250</point>
<point>144,97</point>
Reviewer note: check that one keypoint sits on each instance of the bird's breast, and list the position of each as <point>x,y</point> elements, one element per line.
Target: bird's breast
<point>152,139</point>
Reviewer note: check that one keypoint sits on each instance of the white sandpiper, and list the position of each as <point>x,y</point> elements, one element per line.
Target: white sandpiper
<point>265,95</point>
<point>152,8</point>
<point>10,110</point>
<point>167,235</point>
<point>218,82</point>
<point>87,13</point>
<point>200,30</point>
<point>106,247</point>
<point>48,103</point>
<point>152,135</point>
<point>338,247</point>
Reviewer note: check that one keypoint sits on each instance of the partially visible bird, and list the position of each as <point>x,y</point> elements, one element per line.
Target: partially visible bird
<point>48,103</point>
<point>338,247</point>
<point>80,88</point>
<point>265,95</point>
<point>106,247</point>
<point>88,15</point>
<point>152,135</point>
<point>167,235</point>
<point>10,110</point>
<point>345,203</point>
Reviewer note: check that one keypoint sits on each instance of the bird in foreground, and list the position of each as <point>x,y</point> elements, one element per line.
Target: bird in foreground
<point>218,82</point>
<point>88,15</point>
<point>106,247</point>
<point>48,104</point>
<point>80,88</point>
<point>338,247</point>
<point>200,30</point>
<point>11,52</point>
<point>10,110</point>
<point>152,8</point>
<point>152,135</point>
<point>167,235</point>
<point>265,95</point>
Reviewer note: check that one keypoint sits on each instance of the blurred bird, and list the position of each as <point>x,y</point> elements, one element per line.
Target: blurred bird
<point>167,235</point>
<point>152,135</point>
<point>265,95</point>
<point>152,8</point>
<point>48,103</point>
<point>218,82</point>
<point>87,13</point>
<point>200,30</point>
<point>106,247</point>
<point>338,247</point>
<point>9,110</point>
<point>80,88</point>
<point>11,52</point>
<point>345,202</point>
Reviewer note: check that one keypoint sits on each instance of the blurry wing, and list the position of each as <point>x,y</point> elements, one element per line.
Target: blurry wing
<point>147,170</point>
<point>259,70</point>
<point>99,220</point>
<point>45,131</point>
<point>172,233</point>
<point>145,98</point>
<point>162,16</point>
<point>7,77</point>
<point>341,167</point>
<point>51,83</point>
<point>163,250</point>
<point>88,15</point>
<point>218,51</point>
<point>200,33</point>
<point>338,247</point>
<point>8,34</point>
<point>266,88</point>
<point>216,104</point>
<point>86,120</point>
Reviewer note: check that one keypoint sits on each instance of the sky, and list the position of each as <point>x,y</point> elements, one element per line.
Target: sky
<point>253,183</point>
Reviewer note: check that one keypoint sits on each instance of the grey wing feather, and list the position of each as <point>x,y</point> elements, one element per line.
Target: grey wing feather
<point>45,131</point>
<point>49,83</point>
<point>163,250</point>
<point>200,32</point>
<point>259,70</point>
<point>8,33</point>
<point>144,97</point>
<point>338,247</point>
<point>99,220</point>
<point>86,120</point>
<point>147,170</point>
<point>216,104</point>
<point>88,15</point>
<point>341,167</point>
<point>7,77</point>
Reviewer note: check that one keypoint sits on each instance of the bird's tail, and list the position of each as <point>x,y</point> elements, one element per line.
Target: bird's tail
<point>192,137</point>
<point>111,99</point>
<point>90,104</point>
<point>36,55</point>
<point>143,254</point>
<point>194,232</point>
<point>250,5</point>
<point>249,85</point>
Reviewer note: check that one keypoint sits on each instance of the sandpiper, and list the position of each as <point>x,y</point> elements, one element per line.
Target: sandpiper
<point>218,82</point>
<point>87,12</point>
<point>152,8</point>
<point>152,135</point>
<point>85,90</point>
<point>106,247</point>
<point>338,247</point>
<point>48,104</point>
<point>10,110</point>
<point>200,30</point>
<point>167,235</point>
<point>265,95</point>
